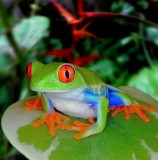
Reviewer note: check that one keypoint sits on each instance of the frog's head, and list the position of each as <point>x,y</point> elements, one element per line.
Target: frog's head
<point>54,77</point>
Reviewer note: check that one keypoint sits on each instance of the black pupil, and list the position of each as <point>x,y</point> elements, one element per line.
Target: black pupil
<point>67,74</point>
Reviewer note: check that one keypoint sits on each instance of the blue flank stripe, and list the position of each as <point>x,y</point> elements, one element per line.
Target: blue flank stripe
<point>115,100</point>
<point>90,98</point>
<point>111,89</point>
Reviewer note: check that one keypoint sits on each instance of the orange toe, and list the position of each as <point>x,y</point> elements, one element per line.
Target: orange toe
<point>52,120</point>
<point>117,110</point>
<point>133,108</point>
<point>34,104</point>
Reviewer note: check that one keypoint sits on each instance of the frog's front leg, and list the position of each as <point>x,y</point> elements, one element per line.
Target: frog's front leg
<point>52,118</point>
<point>34,104</point>
<point>102,110</point>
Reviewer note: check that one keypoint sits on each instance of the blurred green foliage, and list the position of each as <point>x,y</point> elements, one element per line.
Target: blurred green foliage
<point>128,47</point>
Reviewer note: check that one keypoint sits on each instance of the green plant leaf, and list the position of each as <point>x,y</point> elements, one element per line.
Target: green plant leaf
<point>27,33</point>
<point>146,80</point>
<point>153,34</point>
<point>105,65</point>
<point>121,139</point>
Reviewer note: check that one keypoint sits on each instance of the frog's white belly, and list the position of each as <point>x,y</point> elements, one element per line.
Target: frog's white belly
<point>72,103</point>
<point>74,108</point>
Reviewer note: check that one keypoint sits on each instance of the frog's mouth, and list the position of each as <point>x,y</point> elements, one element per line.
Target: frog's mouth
<point>68,94</point>
<point>50,91</point>
<point>53,93</point>
<point>58,92</point>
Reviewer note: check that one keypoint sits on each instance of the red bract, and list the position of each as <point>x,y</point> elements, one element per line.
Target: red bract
<point>62,53</point>
<point>77,32</point>
<point>80,7</point>
<point>67,16</point>
<point>99,14</point>
<point>85,59</point>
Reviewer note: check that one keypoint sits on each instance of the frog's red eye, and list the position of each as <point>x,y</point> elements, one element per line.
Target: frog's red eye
<point>66,73</point>
<point>29,70</point>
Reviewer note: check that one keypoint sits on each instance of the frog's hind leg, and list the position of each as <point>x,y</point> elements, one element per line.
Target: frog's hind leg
<point>133,108</point>
<point>34,104</point>
<point>128,106</point>
<point>136,108</point>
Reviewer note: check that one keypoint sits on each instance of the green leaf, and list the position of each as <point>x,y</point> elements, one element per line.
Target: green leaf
<point>139,96</point>
<point>121,139</point>
<point>27,33</point>
<point>153,34</point>
<point>146,80</point>
<point>105,65</point>
<point>5,63</point>
<point>122,7</point>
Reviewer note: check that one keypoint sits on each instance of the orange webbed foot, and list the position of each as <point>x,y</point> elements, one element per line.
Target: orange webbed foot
<point>34,104</point>
<point>82,127</point>
<point>56,119</point>
<point>133,108</point>
<point>79,126</point>
<point>52,120</point>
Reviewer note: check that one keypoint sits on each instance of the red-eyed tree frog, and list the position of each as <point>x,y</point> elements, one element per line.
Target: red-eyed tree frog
<point>77,92</point>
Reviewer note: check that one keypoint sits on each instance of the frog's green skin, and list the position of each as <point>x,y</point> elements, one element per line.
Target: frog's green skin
<point>86,96</point>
